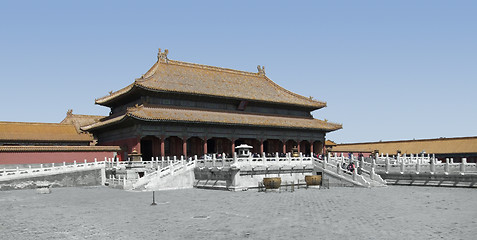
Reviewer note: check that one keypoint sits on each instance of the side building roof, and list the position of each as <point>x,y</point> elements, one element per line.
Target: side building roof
<point>41,132</point>
<point>78,120</point>
<point>60,149</point>
<point>165,114</point>
<point>435,146</point>
<point>189,78</point>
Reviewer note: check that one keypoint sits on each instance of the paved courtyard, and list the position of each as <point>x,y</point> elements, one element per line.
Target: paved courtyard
<point>336,213</point>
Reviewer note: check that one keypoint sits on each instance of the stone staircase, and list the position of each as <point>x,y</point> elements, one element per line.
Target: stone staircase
<point>331,169</point>
<point>178,175</point>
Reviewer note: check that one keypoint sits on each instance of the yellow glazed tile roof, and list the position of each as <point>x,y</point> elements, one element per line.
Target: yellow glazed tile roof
<point>436,146</point>
<point>216,117</point>
<point>60,149</point>
<point>26,131</point>
<point>189,78</point>
<point>80,120</point>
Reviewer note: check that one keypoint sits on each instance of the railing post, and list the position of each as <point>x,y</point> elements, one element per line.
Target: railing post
<point>418,166</point>
<point>402,165</point>
<point>213,159</point>
<point>235,157</point>
<point>446,167</point>
<point>433,166</point>
<point>361,163</point>
<point>223,160</point>
<point>171,166</point>
<point>462,166</point>
<point>387,164</point>
<point>372,173</point>
<point>338,168</point>
<point>354,175</point>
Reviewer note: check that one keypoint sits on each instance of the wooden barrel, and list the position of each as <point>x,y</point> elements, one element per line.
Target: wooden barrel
<point>272,183</point>
<point>313,180</point>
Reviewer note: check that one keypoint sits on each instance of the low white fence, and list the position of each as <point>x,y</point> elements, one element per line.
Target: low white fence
<point>16,173</point>
<point>415,164</point>
<point>251,161</point>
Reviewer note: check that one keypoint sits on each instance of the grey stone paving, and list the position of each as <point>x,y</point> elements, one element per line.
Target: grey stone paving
<point>337,213</point>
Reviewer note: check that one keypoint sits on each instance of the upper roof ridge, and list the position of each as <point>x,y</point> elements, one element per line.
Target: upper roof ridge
<point>163,59</point>
<point>209,67</point>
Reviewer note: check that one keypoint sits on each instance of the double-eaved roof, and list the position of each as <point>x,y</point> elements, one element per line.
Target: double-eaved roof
<point>197,79</point>
<point>171,76</point>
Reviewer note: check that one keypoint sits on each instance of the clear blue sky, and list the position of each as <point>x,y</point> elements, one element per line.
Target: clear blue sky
<point>389,70</point>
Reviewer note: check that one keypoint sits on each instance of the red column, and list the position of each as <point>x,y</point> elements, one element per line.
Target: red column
<point>311,146</point>
<point>233,146</point>
<point>184,146</point>
<point>205,145</point>
<point>298,145</point>
<point>163,149</point>
<point>261,146</point>
<point>284,146</point>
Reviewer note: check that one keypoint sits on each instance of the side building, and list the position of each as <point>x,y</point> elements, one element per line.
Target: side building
<point>442,148</point>
<point>178,108</point>
<point>26,143</point>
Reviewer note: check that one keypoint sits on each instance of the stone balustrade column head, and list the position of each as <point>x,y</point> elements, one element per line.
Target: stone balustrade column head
<point>446,167</point>
<point>462,166</point>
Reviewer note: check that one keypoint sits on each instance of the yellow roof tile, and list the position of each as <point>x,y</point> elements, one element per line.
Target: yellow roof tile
<point>216,117</point>
<point>436,146</point>
<point>48,132</point>
<point>59,149</point>
<point>189,78</point>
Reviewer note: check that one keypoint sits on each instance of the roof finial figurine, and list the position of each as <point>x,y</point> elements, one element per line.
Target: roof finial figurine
<point>162,56</point>
<point>70,112</point>
<point>261,70</point>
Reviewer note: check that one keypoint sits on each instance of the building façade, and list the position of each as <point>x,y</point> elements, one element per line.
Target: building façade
<point>178,108</point>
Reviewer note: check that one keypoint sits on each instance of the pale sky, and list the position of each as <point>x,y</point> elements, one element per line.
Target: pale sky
<point>389,70</point>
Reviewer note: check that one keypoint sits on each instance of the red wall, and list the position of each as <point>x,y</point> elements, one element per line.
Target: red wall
<point>126,145</point>
<point>51,157</point>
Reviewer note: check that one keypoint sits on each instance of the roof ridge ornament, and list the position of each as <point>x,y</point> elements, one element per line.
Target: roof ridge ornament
<point>261,70</point>
<point>162,56</point>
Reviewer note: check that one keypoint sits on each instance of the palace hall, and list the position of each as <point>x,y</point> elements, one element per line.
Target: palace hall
<point>179,108</point>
